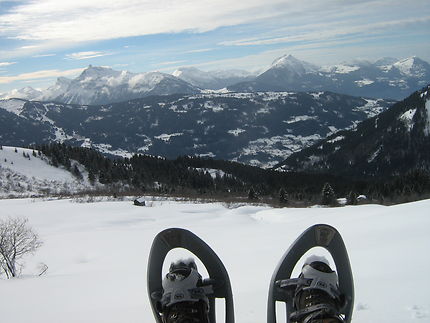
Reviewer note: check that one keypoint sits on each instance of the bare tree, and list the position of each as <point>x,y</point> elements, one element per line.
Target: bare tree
<point>17,239</point>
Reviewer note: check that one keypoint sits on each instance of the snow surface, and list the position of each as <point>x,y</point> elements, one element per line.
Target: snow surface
<point>405,66</point>
<point>407,118</point>
<point>97,256</point>
<point>236,132</point>
<point>107,149</point>
<point>339,69</point>
<point>300,118</point>
<point>364,82</point>
<point>27,167</point>
<point>213,172</point>
<point>371,108</point>
<point>28,176</point>
<point>12,105</point>
<point>167,137</point>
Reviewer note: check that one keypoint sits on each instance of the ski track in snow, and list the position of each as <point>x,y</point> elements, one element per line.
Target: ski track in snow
<point>97,256</point>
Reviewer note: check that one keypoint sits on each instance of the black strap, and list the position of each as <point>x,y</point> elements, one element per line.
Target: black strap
<point>309,283</point>
<point>320,309</point>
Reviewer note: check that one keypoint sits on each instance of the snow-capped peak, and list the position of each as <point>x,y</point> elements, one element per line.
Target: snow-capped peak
<point>57,89</point>
<point>409,66</point>
<point>27,93</point>
<point>97,72</point>
<point>291,63</point>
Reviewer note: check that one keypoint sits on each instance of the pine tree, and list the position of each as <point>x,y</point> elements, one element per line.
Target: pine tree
<point>283,196</point>
<point>252,194</point>
<point>54,161</point>
<point>328,197</point>
<point>351,199</point>
<point>91,177</point>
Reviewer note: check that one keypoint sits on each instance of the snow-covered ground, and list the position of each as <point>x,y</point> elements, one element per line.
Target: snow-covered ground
<point>97,256</point>
<point>25,174</point>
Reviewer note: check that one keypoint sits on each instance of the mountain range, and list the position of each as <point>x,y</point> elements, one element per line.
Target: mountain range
<point>391,143</point>
<point>101,85</point>
<point>385,78</point>
<point>255,128</point>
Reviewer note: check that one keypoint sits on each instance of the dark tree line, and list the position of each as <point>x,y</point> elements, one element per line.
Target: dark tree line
<point>190,174</point>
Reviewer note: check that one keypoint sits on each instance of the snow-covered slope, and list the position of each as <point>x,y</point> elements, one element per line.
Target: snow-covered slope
<point>27,93</point>
<point>13,105</point>
<point>290,64</point>
<point>411,67</point>
<point>394,142</point>
<point>97,257</point>
<point>24,173</point>
<point>56,90</point>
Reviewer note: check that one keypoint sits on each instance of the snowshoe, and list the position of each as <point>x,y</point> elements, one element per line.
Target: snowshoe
<point>183,296</point>
<point>319,294</point>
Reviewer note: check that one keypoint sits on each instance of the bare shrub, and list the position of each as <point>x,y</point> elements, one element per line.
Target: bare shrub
<point>17,239</point>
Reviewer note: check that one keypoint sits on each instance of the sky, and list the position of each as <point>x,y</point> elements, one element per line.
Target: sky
<point>41,40</point>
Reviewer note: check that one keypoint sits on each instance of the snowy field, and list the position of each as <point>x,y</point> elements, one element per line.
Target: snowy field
<point>97,256</point>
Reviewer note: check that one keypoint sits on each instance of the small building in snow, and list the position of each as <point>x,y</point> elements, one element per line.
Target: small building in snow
<point>139,201</point>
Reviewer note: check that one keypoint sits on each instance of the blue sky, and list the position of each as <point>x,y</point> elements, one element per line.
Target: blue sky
<point>41,40</point>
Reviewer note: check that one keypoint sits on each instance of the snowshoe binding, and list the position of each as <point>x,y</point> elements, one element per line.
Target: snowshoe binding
<point>316,294</point>
<point>319,294</point>
<point>184,298</point>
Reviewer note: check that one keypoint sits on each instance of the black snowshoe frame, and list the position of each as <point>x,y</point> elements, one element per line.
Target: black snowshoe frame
<point>320,235</point>
<point>218,277</point>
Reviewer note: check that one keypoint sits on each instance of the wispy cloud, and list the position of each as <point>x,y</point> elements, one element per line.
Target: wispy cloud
<point>86,55</point>
<point>170,63</point>
<point>29,47</point>
<point>43,74</point>
<point>317,32</point>
<point>202,50</point>
<point>44,55</point>
<point>3,64</point>
<point>81,20</point>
